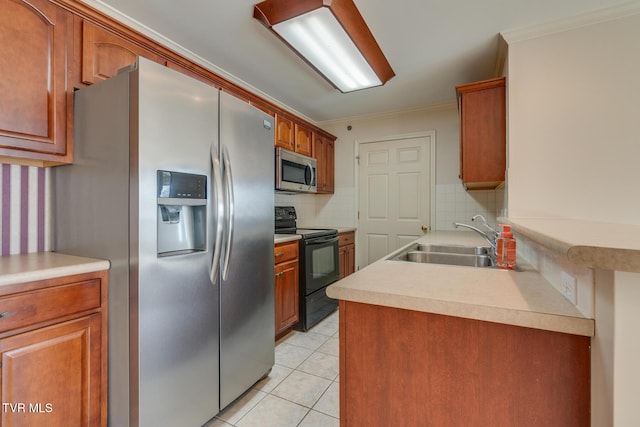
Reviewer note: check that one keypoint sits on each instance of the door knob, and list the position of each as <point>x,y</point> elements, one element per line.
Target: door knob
<point>425,228</point>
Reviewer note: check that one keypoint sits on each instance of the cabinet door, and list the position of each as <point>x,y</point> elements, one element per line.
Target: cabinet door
<point>284,134</point>
<point>482,133</point>
<point>52,376</point>
<point>286,295</point>
<point>350,259</point>
<point>324,152</point>
<point>303,140</point>
<point>35,105</point>
<point>104,53</point>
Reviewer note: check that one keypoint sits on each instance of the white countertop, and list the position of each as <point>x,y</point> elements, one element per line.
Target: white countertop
<point>284,238</point>
<point>521,298</point>
<point>16,269</point>
<point>592,244</point>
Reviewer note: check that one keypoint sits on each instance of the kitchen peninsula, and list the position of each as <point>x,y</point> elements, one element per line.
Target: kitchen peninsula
<point>460,345</point>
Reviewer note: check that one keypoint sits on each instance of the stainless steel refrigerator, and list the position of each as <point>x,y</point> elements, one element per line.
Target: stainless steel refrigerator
<point>173,184</point>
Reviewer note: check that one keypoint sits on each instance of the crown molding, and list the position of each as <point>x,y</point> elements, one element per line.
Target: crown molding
<point>428,109</point>
<point>197,59</point>
<point>571,23</point>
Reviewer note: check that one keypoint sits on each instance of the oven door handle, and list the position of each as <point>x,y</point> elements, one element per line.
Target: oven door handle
<point>321,240</point>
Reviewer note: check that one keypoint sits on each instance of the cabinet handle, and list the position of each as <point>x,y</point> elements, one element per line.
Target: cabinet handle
<point>279,254</point>
<point>5,314</point>
<point>280,274</point>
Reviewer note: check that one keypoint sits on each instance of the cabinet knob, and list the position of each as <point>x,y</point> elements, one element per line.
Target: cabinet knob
<point>5,314</point>
<point>280,274</point>
<point>425,228</point>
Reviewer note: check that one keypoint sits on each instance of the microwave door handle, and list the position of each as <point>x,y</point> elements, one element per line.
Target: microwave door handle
<point>228,180</point>
<point>311,175</point>
<point>218,212</point>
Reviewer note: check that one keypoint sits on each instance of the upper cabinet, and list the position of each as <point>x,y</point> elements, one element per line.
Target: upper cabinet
<point>483,137</point>
<point>49,48</point>
<point>293,136</point>
<point>36,103</point>
<point>303,140</point>
<point>104,53</point>
<point>285,133</point>
<point>324,149</point>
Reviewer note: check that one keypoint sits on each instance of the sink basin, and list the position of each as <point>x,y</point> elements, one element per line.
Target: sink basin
<point>455,249</point>
<point>451,259</point>
<point>470,256</point>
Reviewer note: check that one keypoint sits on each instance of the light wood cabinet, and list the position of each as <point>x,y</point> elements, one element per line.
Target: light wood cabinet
<point>293,136</point>
<point>53,347</point>
<point>324,150</point>
<point>286,286</point>
<point>482,109</point>
<point>303,140</point>
<point>346,254</point>
<point>104,53</point>
<point>285,133</point>
<point>36,103</point>
<point>409,368</point>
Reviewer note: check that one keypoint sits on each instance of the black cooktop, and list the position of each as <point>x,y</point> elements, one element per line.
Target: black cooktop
<point>285,223</point>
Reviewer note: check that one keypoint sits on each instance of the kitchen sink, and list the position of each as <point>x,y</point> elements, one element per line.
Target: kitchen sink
<point>470,256</point>
<point>454,249</point>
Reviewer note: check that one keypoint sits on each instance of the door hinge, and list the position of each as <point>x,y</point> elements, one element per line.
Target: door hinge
<point>358,214</point>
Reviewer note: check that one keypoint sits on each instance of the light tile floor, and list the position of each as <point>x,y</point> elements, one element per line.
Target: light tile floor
<point>302,388</point>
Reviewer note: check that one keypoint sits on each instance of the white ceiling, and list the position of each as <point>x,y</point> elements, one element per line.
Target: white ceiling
<point>432,45</point>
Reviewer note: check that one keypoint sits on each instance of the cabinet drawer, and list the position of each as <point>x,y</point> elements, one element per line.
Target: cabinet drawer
<point>285,252</point>
<point>29,308</point>
<point>348,238</point>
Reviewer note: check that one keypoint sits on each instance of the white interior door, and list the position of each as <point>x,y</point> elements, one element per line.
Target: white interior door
<point>395,179</point>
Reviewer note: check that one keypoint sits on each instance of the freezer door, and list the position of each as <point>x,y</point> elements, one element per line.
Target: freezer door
<point>173,299</point>
<point>246,290</point>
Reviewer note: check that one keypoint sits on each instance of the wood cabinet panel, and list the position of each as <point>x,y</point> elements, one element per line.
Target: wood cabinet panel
<point>53,351</point>
<point>104,53</point>
<point>285,252</point>
<point>36,104</point>
<point>303,140</point>
<point>286,296</point>
<point>324,151</point>
<point>285,133</point>
<point>56,372</point>
<point>346,254</point>
<point>286,283</point>
<point>448,371</point>
<point>482,108</point>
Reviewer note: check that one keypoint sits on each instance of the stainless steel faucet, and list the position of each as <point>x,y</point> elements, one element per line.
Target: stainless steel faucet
<point>491,239</point>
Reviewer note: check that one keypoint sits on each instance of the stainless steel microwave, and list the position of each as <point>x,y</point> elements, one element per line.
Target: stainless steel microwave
<point>295,172</point>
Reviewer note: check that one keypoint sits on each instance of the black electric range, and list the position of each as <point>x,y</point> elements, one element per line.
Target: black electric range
<point>318,266</point>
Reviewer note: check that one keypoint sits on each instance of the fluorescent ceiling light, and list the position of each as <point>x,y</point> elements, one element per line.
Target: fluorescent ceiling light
<point>319,31</point>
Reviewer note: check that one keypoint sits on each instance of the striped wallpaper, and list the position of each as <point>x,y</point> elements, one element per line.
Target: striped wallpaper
<point>24,209</point>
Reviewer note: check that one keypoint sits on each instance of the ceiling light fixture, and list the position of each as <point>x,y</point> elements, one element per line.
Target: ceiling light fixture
<point>332,37</point>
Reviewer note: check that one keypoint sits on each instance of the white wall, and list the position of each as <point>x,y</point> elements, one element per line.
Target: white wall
<point>574,123</point>
<point>452,202</point>
<point>574,147</point>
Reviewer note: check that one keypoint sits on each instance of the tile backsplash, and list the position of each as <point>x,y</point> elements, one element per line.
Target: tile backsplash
<point>24,209</point>
<point>455,204</point>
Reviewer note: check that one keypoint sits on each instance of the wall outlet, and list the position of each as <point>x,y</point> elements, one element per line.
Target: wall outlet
<point>569,288</point>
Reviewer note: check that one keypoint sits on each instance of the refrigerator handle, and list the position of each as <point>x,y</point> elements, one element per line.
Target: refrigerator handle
<point>219,213</point>
<point>228,179</point>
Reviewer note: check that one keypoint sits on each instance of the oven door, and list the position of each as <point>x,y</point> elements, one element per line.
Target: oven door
<point>321,263</point>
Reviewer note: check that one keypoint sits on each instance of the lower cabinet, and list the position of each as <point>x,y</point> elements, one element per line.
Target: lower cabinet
<point>286,287</point>
<point>346,254</point>
<point>53,348</point>
<point>409,368</point>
